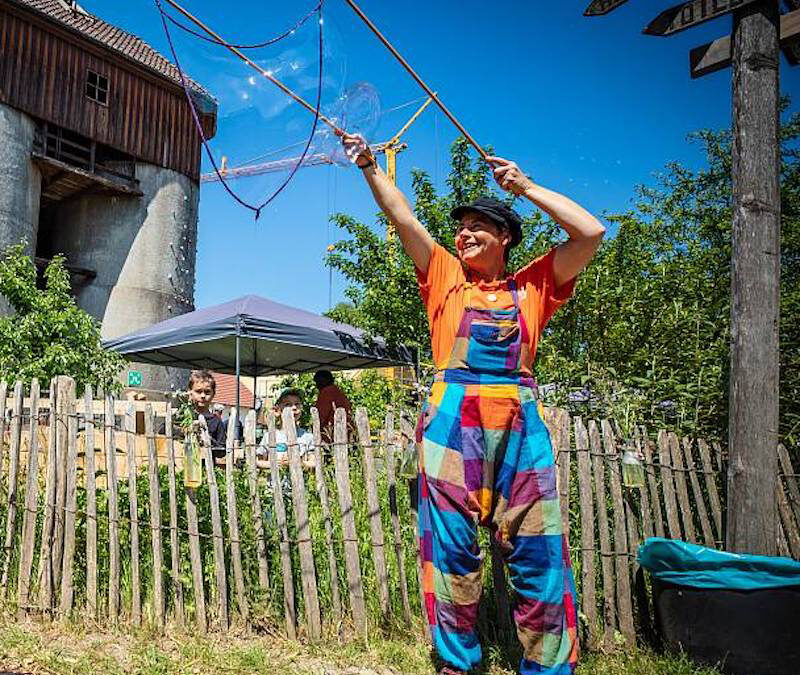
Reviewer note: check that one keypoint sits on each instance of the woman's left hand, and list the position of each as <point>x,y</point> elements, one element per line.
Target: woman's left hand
<point>509,176</point>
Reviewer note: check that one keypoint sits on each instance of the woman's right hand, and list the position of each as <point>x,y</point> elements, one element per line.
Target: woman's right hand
<point>357,150</point>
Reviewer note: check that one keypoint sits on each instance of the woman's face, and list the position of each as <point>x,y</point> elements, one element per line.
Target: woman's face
<point>480,243</point>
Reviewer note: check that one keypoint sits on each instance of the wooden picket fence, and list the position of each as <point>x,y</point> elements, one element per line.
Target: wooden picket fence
<point>334,547</point>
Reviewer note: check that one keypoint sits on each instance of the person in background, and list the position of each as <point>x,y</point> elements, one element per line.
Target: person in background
<point>289,398</point>
<point>201,390</point>
<point>329,398</point>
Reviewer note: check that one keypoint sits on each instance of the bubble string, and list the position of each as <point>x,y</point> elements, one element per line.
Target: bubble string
<point>215,40</point>
<point>317,116</point>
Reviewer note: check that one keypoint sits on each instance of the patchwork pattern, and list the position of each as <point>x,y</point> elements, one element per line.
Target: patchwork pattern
<point>486,459</point>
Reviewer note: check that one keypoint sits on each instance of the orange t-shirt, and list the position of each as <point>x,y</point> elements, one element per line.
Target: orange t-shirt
<point>442,290</point>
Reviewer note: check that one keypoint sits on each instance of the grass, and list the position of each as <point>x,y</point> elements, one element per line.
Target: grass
<point>72,649</point>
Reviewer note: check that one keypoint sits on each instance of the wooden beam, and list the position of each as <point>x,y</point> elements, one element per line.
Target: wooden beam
<point>690,14</point>
<point>714,56</point>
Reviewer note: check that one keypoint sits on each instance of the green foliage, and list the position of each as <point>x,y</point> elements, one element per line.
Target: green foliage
<point>646,336</point>
<point>48,334</point>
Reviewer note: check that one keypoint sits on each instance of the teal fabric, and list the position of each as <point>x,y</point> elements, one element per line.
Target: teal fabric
<point>679,562</point>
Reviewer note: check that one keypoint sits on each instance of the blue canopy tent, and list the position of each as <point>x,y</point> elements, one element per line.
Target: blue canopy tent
<point>257,337</point>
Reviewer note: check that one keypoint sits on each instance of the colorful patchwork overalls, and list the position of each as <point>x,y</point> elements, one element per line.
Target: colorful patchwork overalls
<point>486,458</point>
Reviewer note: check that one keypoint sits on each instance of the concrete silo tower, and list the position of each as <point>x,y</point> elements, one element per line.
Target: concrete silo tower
<point>100,161</point>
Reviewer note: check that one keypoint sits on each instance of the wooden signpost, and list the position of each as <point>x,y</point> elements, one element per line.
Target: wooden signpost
<point>601,7</point>
<point>753,52</point>
<point>690,14</point>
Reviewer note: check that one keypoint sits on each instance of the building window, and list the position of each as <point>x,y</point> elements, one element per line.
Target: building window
<point>97,87</point>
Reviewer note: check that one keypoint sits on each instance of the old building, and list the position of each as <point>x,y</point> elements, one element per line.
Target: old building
<point>100,161</point>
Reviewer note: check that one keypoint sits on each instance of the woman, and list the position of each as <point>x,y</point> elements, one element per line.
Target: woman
<point>485,455</point>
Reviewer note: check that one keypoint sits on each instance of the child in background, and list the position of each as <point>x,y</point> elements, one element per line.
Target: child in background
<point>290,398</point>
<point>201,389</point>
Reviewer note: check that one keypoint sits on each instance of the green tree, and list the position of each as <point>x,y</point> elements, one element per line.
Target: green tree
<point>48,335</point>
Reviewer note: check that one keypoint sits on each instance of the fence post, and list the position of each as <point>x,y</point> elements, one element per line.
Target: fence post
<point>711,487</point>
<point>65,402</point>
<point>392,489</point>
<point>680,485</point>
<point>667,485</point>
<point>255,498</point>
<point>322,490</point>
<point>3,403</point>
<point>46,571</point>
<point>280,517</point>
<point>349,534</point>
<point>113,509</point>
<point>216,529</point>
<point>29,516</point>
<point>91,505</point>
<point>133,511</point>
<point>621,544</point>
<point>606,563</point>
<point>177,584</point>
<point>708,536</point>
<point>374,510</point>
<point>652,486</point>
<point>308,574</point>
<point>13,478</point>
<point>70,502</point>
<point>194,539</point>
<point>589,597</point>
<point>233,515</point>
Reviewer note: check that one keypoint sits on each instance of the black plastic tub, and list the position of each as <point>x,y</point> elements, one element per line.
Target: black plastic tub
<point>740,632</point>
<point>738,612</point>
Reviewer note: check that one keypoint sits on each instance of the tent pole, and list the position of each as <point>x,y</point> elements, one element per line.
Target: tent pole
<point>238,377</point>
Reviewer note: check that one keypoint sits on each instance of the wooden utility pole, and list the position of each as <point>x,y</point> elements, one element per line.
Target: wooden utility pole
<point>755,281</point>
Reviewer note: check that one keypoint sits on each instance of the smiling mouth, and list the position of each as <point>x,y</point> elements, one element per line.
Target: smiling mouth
<point>468,247</point>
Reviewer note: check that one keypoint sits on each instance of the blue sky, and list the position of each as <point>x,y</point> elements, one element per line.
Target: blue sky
<point>588,107</point>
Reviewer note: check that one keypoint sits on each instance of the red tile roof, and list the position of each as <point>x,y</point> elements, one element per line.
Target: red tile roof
<point>79,20</point>
<point>226,391</point>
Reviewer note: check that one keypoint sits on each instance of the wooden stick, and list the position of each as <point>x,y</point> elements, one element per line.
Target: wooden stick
<point>791,481</point>
<point>705,525</point>
<point>233,516</point>
<point>606,562</point>
<point>280,517</point>
<point>65,401</point>
<point>681,489</point>
<point>194,544</point>
<point>177,584</point>
<point>621,543</point>
<point>352,563</point>
<point>45,574</point>
<point>13,477</point>
<point>710,476</point>
<point>255,498</point>
<point>373,511</point>
<point>91,506</point>
<point>133,511</point>
<point>416,77</point>
<point>652,486</point>
<point>644,496</point>
<point>70,503</point>
<point>391,478</point>
<point>668,486</point>
<point>322,491</point>
<point>216,531</point>
<point>790,528</point>
<point>588,594</point>
<point>113,510</point>
<point>308,574</point>
<point>3,403</point>
<point>29,516</point>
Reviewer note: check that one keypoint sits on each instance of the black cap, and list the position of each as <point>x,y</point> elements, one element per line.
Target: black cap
<point>498,212</point>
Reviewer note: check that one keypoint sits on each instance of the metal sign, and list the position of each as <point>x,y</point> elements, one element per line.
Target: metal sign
<point>689,14</point>
<point>600,7</point>
<point>134,378</point>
